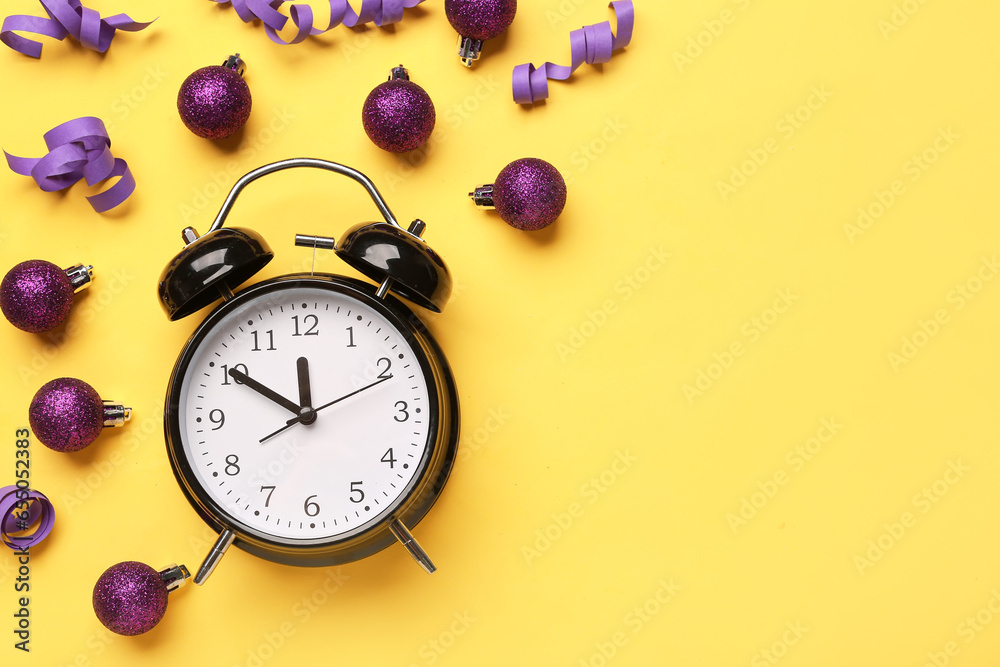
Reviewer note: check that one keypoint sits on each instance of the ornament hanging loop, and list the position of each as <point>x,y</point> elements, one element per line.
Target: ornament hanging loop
<point>236,64</point>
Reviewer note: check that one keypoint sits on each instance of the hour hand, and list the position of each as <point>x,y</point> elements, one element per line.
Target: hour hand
<point>267,393</point>
<point>305,395</point>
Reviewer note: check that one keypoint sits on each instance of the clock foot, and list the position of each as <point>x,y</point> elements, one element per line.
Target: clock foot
<point>410,544</point>
<point>214,556</point>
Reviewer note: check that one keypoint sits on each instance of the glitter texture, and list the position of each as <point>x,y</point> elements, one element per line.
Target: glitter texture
<point>66,415</point>
<point>130,598</point>
<point>398,116</point>
<point>480,19</point>
<point>214,102</point>
<point>36,296</point>
<point>529,194</point>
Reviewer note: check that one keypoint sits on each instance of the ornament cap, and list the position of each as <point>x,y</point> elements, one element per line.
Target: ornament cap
<point>236,64</point>
<point>469,49</point>
<point>116,414</point>
<point>399,73</point>
<point>483,196</point>
<point>80,276</point>
<point>174,576</point>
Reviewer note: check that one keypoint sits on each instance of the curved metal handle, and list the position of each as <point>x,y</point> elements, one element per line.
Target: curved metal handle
<point>302,162</point>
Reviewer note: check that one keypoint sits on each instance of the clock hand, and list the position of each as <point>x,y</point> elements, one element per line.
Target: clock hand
<point>305,395</point>
<point>270,394</point>
<point>295,420</point>
<point>356,391</point>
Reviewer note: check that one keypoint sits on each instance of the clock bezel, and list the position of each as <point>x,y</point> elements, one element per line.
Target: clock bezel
<point>410,505</point>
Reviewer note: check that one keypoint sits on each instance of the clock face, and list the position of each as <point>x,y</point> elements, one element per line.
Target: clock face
<point>305,414</point>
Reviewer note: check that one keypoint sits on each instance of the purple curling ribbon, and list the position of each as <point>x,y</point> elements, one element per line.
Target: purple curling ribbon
<point>379,12</point>
<point>66,18</point>
<point>16,518</point>
<point>591,44</point>
<point>78,149</point>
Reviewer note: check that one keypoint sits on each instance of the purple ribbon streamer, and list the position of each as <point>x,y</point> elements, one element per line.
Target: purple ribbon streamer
<point>379,12</point>
<point>66,17</point>
<point>78,149</point>
<point>591,44</point>
<point>39,510</point>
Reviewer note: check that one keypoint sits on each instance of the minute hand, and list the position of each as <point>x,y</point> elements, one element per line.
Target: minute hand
<point>356,391</point>
<point>295,420</point>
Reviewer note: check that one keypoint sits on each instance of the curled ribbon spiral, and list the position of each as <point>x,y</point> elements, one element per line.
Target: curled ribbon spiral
<point>591,44</point>
<point>19,510</point>
<point>379,12</point>
<point>66,17</point>
<point>78,149</point>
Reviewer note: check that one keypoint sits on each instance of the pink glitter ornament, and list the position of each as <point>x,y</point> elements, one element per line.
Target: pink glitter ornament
<point>214,102</point>
<point>67,414</point>
<point>529,194</point>
<point>36,295</point>
<point>398,115</point>
<point>130,598</point>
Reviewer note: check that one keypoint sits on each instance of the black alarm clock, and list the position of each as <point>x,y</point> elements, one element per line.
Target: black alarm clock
<point>311,419</point>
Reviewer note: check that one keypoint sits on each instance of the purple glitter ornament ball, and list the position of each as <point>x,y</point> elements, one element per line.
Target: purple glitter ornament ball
<point>529,194</point>
<point>480,19</point>
<point>36,296</point>
<point>215,101</point>
<point>398,115</point>
<point>66,415</point>
<point>130,598</point>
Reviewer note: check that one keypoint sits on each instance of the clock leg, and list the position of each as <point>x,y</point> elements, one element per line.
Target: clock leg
<point>410,544</point>
<point>214,556</point>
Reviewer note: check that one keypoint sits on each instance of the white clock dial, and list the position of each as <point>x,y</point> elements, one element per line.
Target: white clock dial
<point>370,401</point>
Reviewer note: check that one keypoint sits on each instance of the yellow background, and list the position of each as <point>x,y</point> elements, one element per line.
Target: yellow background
<point>595,509</point>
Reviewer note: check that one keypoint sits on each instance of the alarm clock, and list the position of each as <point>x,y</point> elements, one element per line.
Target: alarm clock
<point>311,419</point>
